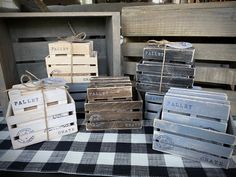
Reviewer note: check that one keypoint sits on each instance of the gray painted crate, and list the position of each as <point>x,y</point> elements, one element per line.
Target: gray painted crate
<point>153,105</point>
<point>194,143</point>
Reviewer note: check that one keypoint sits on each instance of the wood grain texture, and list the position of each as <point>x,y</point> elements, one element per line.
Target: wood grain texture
<point>193,21</point>
<point>215,52</point>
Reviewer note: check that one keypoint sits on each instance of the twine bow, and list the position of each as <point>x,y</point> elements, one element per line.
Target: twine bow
<point>159,43</point>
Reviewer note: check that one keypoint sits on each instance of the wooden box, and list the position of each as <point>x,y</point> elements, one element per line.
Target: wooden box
<point>84,48</point>
<point>148,76</point>
<point>78,92</point>
<point>82,68</point>
<point>32,126</point>
<point>172,54</point>
<point>194,143</point>
<point>109,89</point>
<point>153,105</point>
<point>208,110</point>
<point>115,114</point>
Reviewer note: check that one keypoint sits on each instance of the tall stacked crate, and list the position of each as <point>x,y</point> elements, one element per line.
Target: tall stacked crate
<point>77,63</point>
<point>163,67</point>
<point>195,124</point>
<point>112,103</point>
<point>36,115</point>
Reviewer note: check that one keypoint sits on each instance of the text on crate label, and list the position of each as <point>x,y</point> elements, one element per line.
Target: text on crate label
<point>98,93</point>
<point>55,49</point>
<point>179,105</point>
<point>153,53</point>
<point>26,101</point>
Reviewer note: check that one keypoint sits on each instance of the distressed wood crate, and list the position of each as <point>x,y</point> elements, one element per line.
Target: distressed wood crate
<point>82,68</point>
<point>78,92</point>
<point>153,105</point>
<point>208,110</point>
<point>24,47</point>
<point>32,127</point>
<point>194,143</point>
<point>148,76</point>
<point>115,114</point>
<point>171,54</point>
<point>83,48</point>
<point>109,89</point>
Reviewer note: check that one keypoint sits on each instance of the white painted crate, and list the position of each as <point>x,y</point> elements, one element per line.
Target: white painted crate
<point>198,108</point>
<point>24,100</point>
<point>84,67</point>
<point>84,48</point>
<point>153,105</point>
<point>30,128</point>
<point>194,143</point>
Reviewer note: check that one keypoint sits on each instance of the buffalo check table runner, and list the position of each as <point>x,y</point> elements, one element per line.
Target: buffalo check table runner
<point>101,153</point>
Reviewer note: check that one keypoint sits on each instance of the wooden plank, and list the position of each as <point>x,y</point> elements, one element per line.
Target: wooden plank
<point>215,52</point>
<point>151,21</point>
<point>29,51</point>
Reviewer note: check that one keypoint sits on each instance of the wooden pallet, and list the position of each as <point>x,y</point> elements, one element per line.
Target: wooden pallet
<point>84,67</point>
<point>78,92</point>
<point>30,128</point>
<point>194,143</point>
<point>25,100</point>
<point>119,114</point>
<point>208,110</point>
<point>109,89</point>
<point>153,105</point>
<point>66,48</point>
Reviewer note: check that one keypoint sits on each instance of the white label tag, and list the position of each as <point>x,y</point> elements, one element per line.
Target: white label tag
<point>180,45</point>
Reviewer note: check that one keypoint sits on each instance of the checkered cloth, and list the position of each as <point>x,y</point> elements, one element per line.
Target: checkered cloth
<point>106,153</point>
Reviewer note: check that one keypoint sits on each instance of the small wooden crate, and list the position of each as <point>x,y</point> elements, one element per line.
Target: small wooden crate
<point>25,101</point>
<point>208,110</point>
<point>194,143</point>
<point>153,105</point>
<point>78,92</point>
<point>30,128</point>
<point>109,89</point>
<point>67,48</point>
<point>114,114</point>
<point>83,67</point>
<point>148,75</point>
<point>172,54</point>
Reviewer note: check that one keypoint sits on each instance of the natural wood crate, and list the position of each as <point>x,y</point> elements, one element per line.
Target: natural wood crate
<point>116,114</point>
<point>208,110</point>
<point>24,47</point>
<point>83,68</point>
<point>30,127</point>
<point>211,33</point>
<point>194,143</point>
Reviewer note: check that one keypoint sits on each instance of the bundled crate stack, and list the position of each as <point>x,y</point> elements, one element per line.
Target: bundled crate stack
<point>36,115</point>
<point>195,124</point>
<point>165,67</point>
<point>112,103</point>
<point>76,62</point>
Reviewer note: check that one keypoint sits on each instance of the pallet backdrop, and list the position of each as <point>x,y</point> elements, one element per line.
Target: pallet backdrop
<point>25,37</point>
<point>209,26</point>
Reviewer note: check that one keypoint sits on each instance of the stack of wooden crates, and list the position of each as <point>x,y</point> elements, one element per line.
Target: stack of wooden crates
<point>36,115</point>
<point>112,103</point>
<point>194,125</point>
<point>177,70</point>
<point>76,62</point>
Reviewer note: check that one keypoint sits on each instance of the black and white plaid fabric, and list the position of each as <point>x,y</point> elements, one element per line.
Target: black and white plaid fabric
<point>106,153</point>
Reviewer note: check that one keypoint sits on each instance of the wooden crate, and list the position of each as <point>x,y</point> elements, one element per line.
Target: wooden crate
<point>83,67</point>
<point>194,143</point>
<point>109,89</point>
<point>153,105</point>
<point>24,47</point>
<point>24,100</point>
<point>215,47</point>
<point>208,110</point>
<point>116,114</point>
<point>148,76</point>
<point>30,127</point>
<point>84,48</point>
<point>78,92</point>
